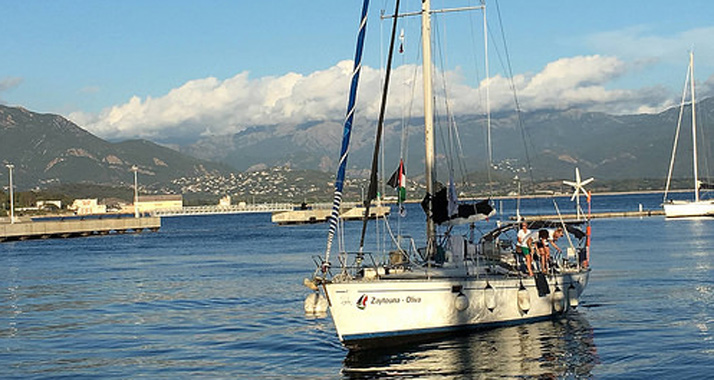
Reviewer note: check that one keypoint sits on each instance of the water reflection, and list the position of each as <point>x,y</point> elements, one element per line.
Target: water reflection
<point>549,349</point>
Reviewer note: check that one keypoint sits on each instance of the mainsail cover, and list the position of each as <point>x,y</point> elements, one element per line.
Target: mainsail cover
<point>706,185</point>
<point>461,214</point>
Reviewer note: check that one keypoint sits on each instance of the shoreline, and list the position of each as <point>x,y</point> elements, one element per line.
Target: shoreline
<point>558,195</point>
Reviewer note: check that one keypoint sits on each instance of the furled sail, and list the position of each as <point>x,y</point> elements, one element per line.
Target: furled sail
<point>347,132</point>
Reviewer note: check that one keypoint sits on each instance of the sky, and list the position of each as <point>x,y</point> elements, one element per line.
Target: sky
<point>168,70</point>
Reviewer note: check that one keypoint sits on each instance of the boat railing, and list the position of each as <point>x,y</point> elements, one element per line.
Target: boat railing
<point>403,251</point>
<point>358,265</point>
<point>497,249</point>
<point>352,264</point>
<point>367,265</point>
<point>496,256</point>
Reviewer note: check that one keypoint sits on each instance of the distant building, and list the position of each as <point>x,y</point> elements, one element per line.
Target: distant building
<point>48,204</point>
<point>225,201</point>
<point>87,207</point>
<point>114,204</point>
<point>149,203</point>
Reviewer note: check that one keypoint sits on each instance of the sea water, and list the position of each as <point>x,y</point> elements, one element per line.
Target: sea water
<point>222,297</point>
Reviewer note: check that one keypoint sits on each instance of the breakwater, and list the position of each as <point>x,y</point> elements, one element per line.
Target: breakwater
<point>75,227</point>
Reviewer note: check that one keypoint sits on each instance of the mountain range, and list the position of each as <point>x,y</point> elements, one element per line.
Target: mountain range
<point>552,143</point>
<point>48,149</point>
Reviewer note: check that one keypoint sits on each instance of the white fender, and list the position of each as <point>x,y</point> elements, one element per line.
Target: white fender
<point>461,302</point>
<point>310,284</point>
<point>524,299</point>
<point>489,297</point>
<point>315,303</point>
<point>558,298</point>
<point>573,297</point>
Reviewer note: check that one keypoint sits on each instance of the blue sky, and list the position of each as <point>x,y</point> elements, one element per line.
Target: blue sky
<point>153,68</point>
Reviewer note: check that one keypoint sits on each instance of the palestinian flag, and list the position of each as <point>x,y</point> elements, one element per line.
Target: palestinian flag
<point>398,181</point>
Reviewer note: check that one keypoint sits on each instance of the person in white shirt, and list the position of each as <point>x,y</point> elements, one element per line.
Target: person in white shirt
<point>525,242</point>
<point>553,236</point>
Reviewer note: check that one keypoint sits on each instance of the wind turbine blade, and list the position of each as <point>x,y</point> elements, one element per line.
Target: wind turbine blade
<point>587,181</point>
<point>570,183</point>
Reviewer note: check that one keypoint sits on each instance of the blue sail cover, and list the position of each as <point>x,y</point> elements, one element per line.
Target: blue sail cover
<point>347,132</point>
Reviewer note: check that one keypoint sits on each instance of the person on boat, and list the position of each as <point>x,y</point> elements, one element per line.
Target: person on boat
<point>543,249</point>
<point>525,241</point>
<point>553,236</point>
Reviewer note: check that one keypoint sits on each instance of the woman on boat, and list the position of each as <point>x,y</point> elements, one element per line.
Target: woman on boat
<point>543,249</point>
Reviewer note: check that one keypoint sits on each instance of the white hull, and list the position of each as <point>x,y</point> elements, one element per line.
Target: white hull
<point>451,282</point>
<point>697,207</point>
<point>685,209</point>
<point>366,310</point>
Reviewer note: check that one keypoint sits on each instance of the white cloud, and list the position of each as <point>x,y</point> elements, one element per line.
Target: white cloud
<point>644,43</point>
<point>9,83</point>
<point>213,106</point>
<point>582,82</point>
<point>91,90</point>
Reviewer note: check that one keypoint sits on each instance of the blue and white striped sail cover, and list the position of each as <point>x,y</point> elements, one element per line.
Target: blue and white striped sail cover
<point>347,133</point>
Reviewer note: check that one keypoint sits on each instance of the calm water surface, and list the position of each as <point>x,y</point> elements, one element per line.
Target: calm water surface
<point>221,297</point>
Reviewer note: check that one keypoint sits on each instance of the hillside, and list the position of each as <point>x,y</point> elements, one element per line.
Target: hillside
<point>609,147</point>
<point>49,149</point>
<point>297,162</point>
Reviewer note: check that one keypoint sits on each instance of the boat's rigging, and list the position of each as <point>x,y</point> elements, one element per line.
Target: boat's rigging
<point>706,182</point>
<point>508,68</point>
<point>688,89</point>
<point>452,282</point>
<point>697,207</point>
<point>429,174</point>
<point>676,132</point>
<point>373,181</point>
<point>450,117</point>
<point>694,134</point>
<point>488,96</point>
<point>452,143</point>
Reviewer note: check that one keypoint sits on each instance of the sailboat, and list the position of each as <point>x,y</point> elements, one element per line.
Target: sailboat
<point>697,207</point>
<point>452,281</point>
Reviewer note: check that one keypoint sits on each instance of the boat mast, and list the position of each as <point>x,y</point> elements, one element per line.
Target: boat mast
<point>488,91</point>
<point>428,119</point>
<point>682,103</point>
<point>694,129</point>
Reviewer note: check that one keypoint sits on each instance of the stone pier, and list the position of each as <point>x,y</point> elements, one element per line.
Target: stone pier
<point>74,227</point>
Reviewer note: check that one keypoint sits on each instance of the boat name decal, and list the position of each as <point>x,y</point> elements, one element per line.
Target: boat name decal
<point>365,299</point>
